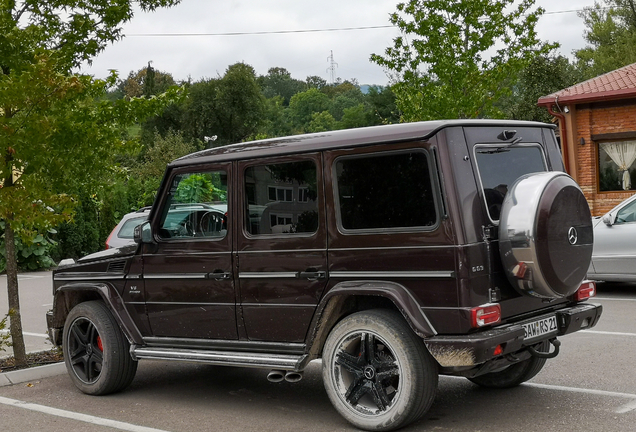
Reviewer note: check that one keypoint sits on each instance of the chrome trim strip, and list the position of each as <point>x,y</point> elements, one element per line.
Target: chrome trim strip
<point>397,248</point>
<point>259,360</point>
<point>281,251</point>
<point>268,275</point>
<point>260,305</point>
<point>392,274</point>
<point>87,277</point>
<point>176,276</point>
<point>190,303</point>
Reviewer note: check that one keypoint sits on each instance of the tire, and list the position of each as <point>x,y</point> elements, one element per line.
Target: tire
<point>515,374</point>
<point>96,353</point>
<point>545,235</point>
<point>382,388</point>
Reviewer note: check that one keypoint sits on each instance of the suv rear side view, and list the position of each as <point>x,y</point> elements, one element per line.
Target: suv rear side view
<point>393,253</point>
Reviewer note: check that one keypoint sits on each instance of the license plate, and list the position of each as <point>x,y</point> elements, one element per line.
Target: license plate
<point>540,327</point>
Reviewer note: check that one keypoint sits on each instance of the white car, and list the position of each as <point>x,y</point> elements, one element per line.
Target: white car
<point>614,254</point>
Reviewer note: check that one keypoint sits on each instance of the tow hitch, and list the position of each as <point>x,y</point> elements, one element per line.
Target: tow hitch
<point>547,355</point>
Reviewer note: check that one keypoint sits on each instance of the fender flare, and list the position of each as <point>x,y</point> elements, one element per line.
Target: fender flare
<point>109,295</point>
<point>404,301</point>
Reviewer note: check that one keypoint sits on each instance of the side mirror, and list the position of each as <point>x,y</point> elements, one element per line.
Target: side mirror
<point>143,233</point>
<point>607,219</point>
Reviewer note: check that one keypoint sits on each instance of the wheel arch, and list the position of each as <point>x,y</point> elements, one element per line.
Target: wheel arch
<point>70,295</point>
<point>349,297</point>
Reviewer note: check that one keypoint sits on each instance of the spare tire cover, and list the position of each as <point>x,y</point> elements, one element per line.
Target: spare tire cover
<point>545,235</point>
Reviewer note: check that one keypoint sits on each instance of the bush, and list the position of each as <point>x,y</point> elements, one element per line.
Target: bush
<point>34,254</point>
<point>4,336</point>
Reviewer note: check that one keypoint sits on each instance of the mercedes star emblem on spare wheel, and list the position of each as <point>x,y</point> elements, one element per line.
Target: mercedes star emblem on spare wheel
<point>573,236</point>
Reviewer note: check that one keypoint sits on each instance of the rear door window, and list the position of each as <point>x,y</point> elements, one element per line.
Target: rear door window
<point>281,198</point>
<point>501,165</point>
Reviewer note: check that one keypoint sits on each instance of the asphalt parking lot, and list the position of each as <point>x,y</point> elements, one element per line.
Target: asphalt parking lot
<point>591,385</point>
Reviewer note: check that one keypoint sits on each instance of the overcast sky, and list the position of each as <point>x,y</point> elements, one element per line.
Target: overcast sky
<point>301,53</point>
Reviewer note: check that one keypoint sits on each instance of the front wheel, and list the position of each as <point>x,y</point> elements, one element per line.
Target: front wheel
<point>96,352</point>
<point>514,374</point>
<point>377,373</point>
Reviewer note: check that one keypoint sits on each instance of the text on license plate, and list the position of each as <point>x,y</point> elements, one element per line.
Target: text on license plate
<point>540,327</point>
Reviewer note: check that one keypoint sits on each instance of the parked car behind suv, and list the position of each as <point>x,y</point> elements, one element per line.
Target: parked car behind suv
<point>123,233</point>
<point>393,253</point>
<point>614,248</point>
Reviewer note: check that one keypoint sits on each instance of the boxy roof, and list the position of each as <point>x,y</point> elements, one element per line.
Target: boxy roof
<point>337,139</point>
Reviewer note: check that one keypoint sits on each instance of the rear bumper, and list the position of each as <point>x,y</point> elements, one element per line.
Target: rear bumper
<point>477,348</point>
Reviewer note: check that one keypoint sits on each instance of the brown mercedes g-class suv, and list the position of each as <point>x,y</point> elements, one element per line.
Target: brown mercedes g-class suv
<point>393,253</point>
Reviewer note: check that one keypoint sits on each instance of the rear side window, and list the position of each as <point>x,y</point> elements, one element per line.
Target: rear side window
<point>128,229</point>
<point>281,198</point>
<point>385,191</point>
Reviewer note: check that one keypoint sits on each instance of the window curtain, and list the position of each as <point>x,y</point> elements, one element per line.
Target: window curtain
<point>622,154</point>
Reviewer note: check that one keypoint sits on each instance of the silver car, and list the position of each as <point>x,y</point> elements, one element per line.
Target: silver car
<point>122,234</point>
<point>614,254</point>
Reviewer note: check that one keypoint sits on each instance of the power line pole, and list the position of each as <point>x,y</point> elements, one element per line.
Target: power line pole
<point>332,68</point>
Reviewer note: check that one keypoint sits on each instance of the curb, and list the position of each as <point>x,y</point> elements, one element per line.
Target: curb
<point>32,374</point>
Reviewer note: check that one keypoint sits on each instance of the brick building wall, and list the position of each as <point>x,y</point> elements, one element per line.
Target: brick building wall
<point>593,120</point>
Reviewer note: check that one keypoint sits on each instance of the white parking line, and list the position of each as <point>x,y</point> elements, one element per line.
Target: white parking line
<point>100,421</point>
<point>620,410</point>
<point>608,333</point>
<point>42,335</point>
<point>613,299</point>
<point>630,406</point>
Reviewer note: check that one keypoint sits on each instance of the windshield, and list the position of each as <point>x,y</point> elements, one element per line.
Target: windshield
<point>500,166</point>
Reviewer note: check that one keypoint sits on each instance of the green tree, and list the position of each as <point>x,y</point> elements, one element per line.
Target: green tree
<point>611,35</point>
<point>315,81</point>
<point>383,107</point>
<point>303,105</point>
<point>543,76</point>
<point>456,58</point>
<point>146,82</point>
<point>225,110</point>
<point>54,131</point>
<point>355,117</point>
<point>145,177</point>
<point>278,82</point>
<point>240,104</point>
<point>321,122</point>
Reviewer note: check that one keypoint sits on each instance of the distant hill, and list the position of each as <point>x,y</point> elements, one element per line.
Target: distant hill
<point>364,88</point>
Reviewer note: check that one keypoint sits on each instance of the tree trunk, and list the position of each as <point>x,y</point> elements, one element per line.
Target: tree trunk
<point>17,339</point>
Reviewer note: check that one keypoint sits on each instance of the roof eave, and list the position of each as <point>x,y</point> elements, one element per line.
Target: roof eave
<point>588,97</point>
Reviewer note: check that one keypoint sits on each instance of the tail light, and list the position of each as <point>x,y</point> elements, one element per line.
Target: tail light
<point>484,315</point>
<point>585,291</point>
<point>109,237</point>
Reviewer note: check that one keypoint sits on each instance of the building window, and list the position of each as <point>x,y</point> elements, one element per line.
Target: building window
<point>616,167</point>
<point>281,193</point>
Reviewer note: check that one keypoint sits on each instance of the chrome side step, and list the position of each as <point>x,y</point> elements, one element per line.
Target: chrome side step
<point>223,358</point>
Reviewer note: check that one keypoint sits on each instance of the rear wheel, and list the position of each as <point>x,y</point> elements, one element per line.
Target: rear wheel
<point>377,372</point>
<point>515,374</point>
<point>96,352</point>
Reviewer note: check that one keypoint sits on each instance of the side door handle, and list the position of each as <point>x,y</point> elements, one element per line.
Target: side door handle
<point>311,274</point>
<point>219,275</point>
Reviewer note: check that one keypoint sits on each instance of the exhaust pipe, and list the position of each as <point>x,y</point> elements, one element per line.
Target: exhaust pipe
<point>276,376</point>
<point>293,377</point>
